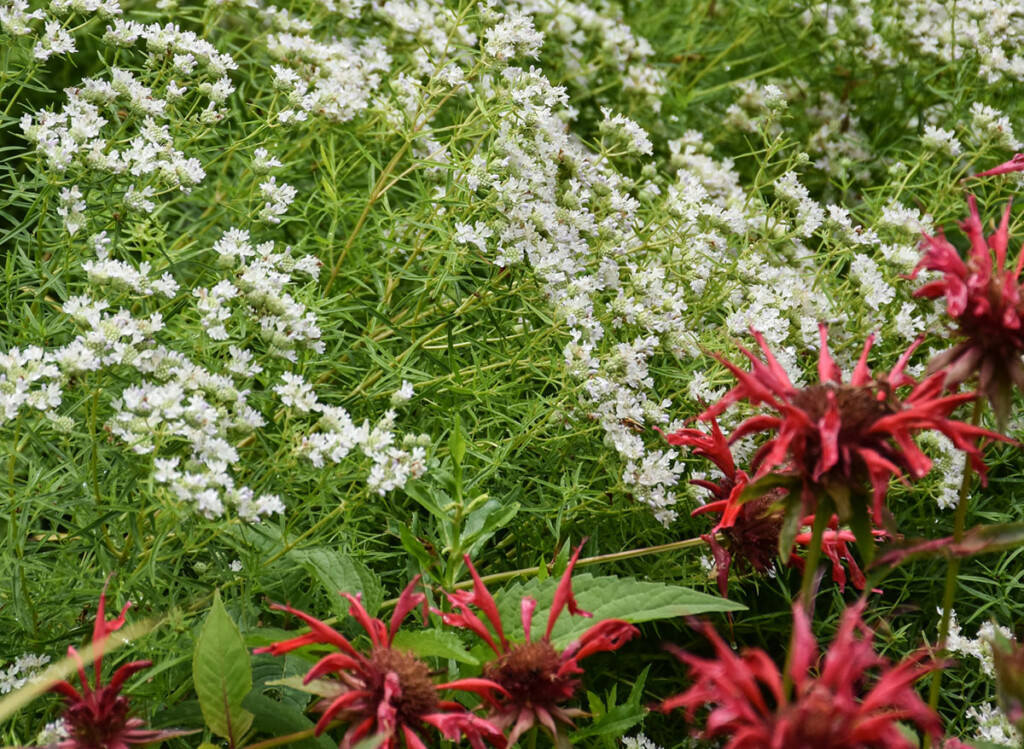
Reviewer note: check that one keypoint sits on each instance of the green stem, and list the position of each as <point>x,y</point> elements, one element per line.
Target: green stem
<point>283,740</point>
<point>811,564</point>
<point>953,571</point>
<point>814,556</point>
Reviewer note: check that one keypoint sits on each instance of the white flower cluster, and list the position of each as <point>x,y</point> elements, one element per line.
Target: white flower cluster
<point>980,646</point>
<point>21,671</point>
<point>16,18</point>
<point>333,80</point>
<point>29,378</point>
<point>579,28</point>
<point>809,214</point>
<point>948,467</point>
<point>640,741</point>
<point>989,31</point>
<point>513,36</point>
<point>52,733</point>
<point>258,288</point>
<point>336,435</point>
<point>620,126</point>
<point>992,724</point>
<point>277,197</point>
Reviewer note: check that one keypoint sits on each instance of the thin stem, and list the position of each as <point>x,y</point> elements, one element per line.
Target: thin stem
<point>811,564</point>
<point>953,571</point>
<point>282,740</point>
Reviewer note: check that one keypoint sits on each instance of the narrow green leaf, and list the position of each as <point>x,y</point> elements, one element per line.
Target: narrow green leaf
<point>414,547</point>
<point>222,675</point>
<point>606,598</point>
<point>457,443</point>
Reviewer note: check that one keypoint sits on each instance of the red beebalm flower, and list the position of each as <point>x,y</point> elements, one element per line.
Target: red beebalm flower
<point>854,699</point>
<point>386,693</point>
<point>985,300</point>
<point>97,717</point>
<point>751,529</point>
<point>536,680</point>
<point>1016,164</point>
<point>833,436</point>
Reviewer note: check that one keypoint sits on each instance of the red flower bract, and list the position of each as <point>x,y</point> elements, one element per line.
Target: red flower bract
<point>386,693</point>
<point>833,436</point>
<point>854,700</point>
<point>986,301</point>
<point>97,717</point>
<point>536,678</point>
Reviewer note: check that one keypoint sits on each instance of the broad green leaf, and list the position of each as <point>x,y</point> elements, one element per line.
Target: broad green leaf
<point>606,598</point>
<point>267,668</point>
<point>339,573</point>
<point>222,675</point>
<point>280,719</point>
<point>434,643</point>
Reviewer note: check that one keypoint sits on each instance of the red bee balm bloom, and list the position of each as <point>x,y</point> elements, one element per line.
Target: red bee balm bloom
<point>832,436</point>
<point>536,679</point>
<point>387,693</point>
<point>97,717</point>
<point>986,302</point>
<point>839,705</point>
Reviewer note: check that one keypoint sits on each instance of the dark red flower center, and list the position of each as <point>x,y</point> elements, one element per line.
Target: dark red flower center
<point>819,720</point>
<point>529,672</point>
<point>98,720</point>
<point>859,407</point>
<point>753,539</point>
<point>418,696</point>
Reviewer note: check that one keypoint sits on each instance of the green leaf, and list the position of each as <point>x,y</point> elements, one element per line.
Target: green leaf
<point>268,668</point>
<point>606,598</point>
<point>339,573</point>
<point>980,540</point>
<point>860,524</point>
<point>327,688</point>
<point>760,487</point>
<point>434,643</point>
<point>281,719</point>
<point>222,675</point>
<point>615,722</point>
<point>414,547</point>
<point>790,525</point>
<point>483,523</point>
<point>424,496</point>
<point>457,443</point>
